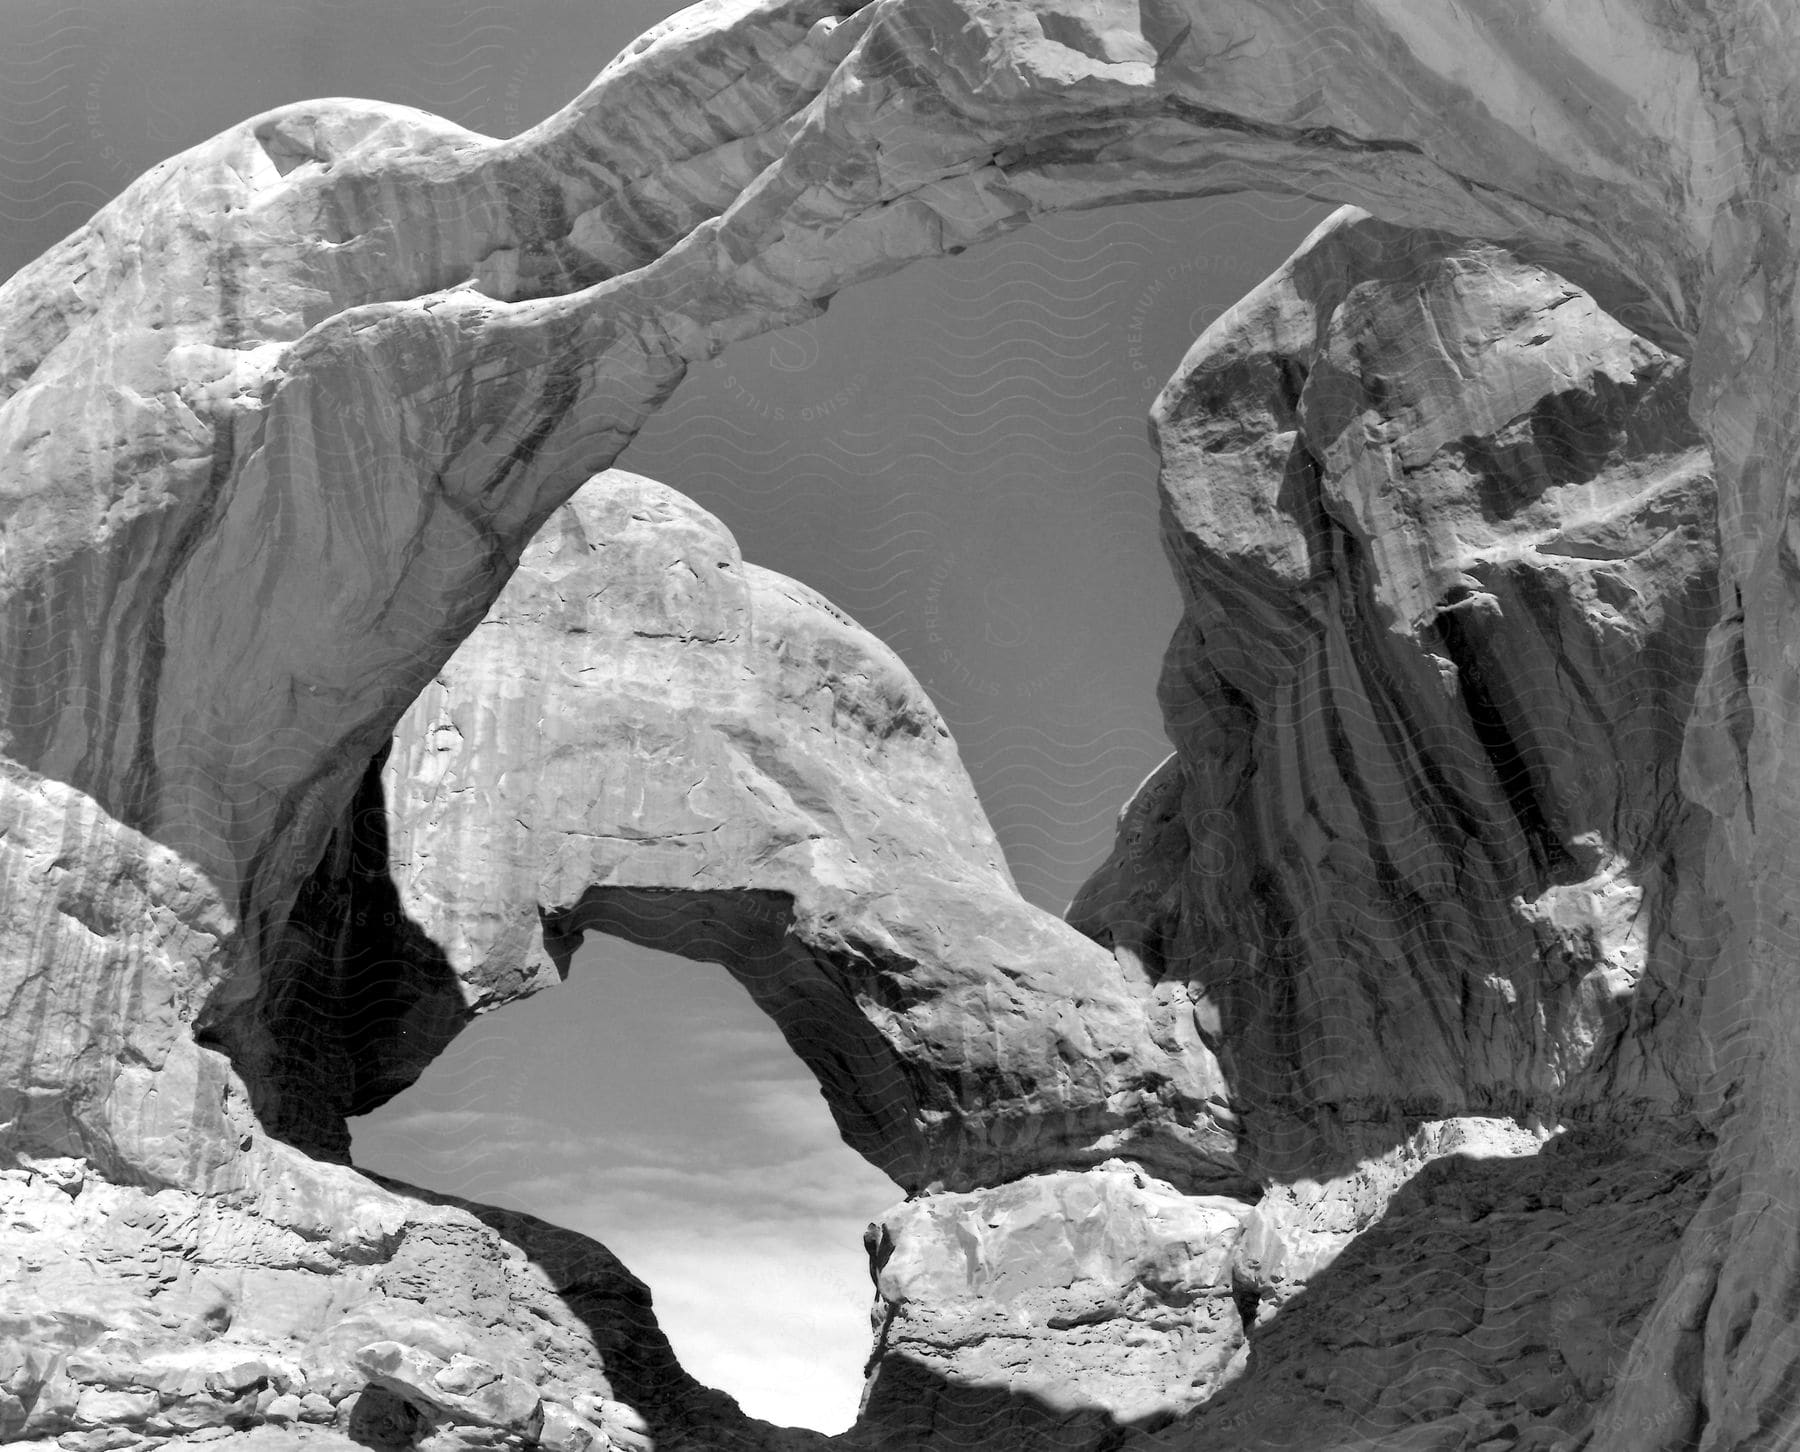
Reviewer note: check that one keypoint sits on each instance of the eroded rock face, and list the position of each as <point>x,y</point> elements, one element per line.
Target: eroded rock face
<point>334,368</point>
<point>1485,1293</point>
<point>298,1305</point>
<point>109,942</point>
<point>1443,533</point>
<point>1054,1306</point>
<point>651,738</point>
<point>277,425</point>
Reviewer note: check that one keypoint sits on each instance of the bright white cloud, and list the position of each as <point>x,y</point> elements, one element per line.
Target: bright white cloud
<point>779,1318</point>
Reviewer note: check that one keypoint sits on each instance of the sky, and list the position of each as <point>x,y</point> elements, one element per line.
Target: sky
<point>647,1102</point>
<point>955,455</point>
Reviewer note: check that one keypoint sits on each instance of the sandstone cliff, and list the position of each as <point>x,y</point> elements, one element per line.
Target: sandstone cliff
<point>1421,859</point>
<point>649,737</point>
<point>278,424</point>
<point>1444,534</point>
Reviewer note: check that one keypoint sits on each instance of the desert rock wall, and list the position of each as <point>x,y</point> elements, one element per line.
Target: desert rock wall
<point>277,426</point>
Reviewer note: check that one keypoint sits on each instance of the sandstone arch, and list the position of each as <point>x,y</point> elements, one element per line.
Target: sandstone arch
<point>347,342</point>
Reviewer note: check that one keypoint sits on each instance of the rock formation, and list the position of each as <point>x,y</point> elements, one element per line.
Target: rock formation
<point>1444,534</point>
<point>648,737</point>
<point>1421,859</point>
<point>1049,1310</point>
<point>774,792</point>
<point>278,425</point>
<point>134,1317</point>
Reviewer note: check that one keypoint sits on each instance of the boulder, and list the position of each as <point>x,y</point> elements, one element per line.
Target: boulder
<point>463,1389</point>
<point>1089,1296</point>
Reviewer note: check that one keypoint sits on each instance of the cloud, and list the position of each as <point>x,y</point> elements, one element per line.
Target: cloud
<point>757,1269</point>
<point>789,1346</point>
<point>779,1318</point>
<point>696,1148</point>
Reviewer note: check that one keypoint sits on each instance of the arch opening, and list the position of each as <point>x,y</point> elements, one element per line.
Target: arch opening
<point>649,1103</point>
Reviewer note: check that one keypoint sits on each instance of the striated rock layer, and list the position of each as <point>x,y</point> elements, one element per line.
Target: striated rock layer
<point>277,425</point>
<point>1443,530</point>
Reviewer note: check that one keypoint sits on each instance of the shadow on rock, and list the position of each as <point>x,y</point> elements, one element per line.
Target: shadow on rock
<point>356,998</point>
<point>1491,1306</point>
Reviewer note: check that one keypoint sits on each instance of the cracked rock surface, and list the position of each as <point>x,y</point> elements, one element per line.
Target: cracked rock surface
<point>323,1308</point>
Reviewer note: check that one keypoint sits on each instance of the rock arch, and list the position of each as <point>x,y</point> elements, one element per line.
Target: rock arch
<point>334,369</point>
